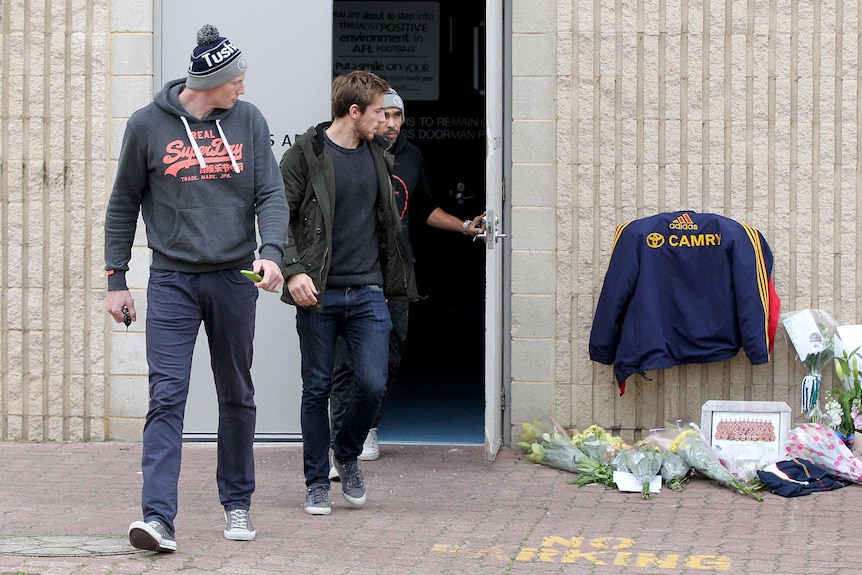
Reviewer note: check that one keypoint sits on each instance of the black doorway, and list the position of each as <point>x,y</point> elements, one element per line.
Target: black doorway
<point>439,394</point>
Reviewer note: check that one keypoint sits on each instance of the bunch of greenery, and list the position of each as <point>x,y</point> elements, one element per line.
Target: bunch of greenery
<point>843,410</point>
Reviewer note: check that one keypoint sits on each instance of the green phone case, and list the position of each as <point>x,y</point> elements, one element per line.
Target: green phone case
<point>251,275</point>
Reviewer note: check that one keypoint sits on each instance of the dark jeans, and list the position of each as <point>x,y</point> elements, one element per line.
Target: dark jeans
<point>360,316</point>
<point>177,303</point>
<point>343,380</point>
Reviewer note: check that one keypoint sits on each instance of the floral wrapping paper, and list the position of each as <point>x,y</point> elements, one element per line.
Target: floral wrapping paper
<point>818,443</point>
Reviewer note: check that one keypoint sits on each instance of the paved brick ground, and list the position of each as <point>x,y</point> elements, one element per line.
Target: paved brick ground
<point>431,510</point>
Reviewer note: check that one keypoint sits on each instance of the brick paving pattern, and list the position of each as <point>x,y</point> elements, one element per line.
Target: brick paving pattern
<point>431,510</point>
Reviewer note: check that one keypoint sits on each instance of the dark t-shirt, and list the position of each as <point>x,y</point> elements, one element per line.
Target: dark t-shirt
<point>412,191</point>
<point>355,248</point>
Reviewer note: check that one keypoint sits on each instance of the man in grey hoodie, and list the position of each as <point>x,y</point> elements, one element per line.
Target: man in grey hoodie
<point>197,163</point>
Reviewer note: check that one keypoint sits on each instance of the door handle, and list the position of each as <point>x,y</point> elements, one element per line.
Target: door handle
<point>491,223</point>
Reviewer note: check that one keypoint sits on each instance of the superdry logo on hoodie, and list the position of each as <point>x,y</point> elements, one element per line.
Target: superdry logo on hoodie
<point>216,157</point>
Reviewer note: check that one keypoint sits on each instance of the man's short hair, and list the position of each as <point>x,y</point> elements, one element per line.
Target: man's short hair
<point>358,87</point>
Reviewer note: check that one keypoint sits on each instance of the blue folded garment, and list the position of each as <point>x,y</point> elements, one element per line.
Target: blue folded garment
<point>796,477</point>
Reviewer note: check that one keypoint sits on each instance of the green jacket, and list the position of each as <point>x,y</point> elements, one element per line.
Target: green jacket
<point>309,181</point>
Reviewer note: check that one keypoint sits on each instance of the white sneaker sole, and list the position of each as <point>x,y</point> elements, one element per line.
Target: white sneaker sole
<point>240,535</point>
<point>318,510</point>
<point>142,536</point>
<point>357,501</point>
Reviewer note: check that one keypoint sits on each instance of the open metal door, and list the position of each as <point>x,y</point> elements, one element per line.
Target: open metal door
<point>494,206</point>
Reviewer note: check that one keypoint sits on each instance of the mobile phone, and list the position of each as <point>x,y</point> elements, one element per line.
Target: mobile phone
<point>251,275</point>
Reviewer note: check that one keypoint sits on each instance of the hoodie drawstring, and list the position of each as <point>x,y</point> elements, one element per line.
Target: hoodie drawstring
<point>194,144</point>
<point>227,147</point>
<point>201,162</point>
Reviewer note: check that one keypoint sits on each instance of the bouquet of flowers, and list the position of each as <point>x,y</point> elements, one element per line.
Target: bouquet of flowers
<point>588,453</point>
<point>553,448</point>
<point>674,470</point>
<point>818,443</point>
<point>597,443</point>
<point>843,411</point>
<point>811,331</point>
<point>642,460</point>
<point>600,448</point>
<point>692,448</point>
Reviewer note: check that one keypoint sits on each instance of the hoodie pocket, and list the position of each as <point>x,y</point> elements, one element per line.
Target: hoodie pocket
<point>210,235</point>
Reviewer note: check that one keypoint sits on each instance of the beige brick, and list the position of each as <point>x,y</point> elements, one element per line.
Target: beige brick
<point>532,272</point>
<point>56,428</point>
<point>129,396</point>
<point>533,98</point>
<point>131,16</point>
<point>15,427</point>
<point>126,429</point>
<point>130,93</point>
<point>530,55</point>
<point>532,316</point>
<point>533,228</point>
<point>534,17</point>
<point>128,354</point>
<point>532,359</point>
<point>531,401</point>
<point>131,54</point>
<point>533,141</point>
<point>532,185</point>
<point>35,398</point>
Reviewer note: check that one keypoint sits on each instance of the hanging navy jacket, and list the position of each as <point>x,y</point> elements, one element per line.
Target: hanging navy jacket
<point>684,287</point>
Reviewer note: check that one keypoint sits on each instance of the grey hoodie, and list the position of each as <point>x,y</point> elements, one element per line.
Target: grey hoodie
<point>199,185</point>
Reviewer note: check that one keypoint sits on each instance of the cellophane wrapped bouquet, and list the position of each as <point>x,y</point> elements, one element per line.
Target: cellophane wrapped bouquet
<point>818,443</point>
<point>588,453</point>
<point>643,460</point>
<point>696,452</point>
<point>553,448</point>
<point>812,332</point>
<point>600,448</point>
<point>674,470</point>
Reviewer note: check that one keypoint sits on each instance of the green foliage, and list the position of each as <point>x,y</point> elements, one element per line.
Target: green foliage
<point>847,367</point>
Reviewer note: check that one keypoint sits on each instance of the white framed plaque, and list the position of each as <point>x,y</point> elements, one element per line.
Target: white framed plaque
<point>745,432</point>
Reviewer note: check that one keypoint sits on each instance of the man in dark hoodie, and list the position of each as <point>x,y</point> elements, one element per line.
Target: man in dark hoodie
<point>197,163</point>
<point>415,204</point>
<point>346,256</point>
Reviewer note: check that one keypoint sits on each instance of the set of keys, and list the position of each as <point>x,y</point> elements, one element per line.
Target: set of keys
<point>127,319</point>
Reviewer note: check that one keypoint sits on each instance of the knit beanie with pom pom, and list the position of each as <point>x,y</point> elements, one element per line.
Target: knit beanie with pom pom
<point>214,61</point>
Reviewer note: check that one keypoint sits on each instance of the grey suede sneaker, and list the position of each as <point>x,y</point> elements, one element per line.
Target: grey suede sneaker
<point>317,500</point>
<point>151,536</point>
<point>237,525</point>
<point>352,483</point>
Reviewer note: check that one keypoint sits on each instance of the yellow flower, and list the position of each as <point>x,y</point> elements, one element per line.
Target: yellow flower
<point>680,438</point>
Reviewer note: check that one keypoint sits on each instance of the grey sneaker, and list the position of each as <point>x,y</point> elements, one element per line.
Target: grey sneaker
<point>151,536</point>
<point>237,525</point>
<point>352,483</point>
<point>371,447</point>
<point>317,500</point>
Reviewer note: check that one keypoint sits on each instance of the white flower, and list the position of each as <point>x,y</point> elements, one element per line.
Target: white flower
<point>833,414</point>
